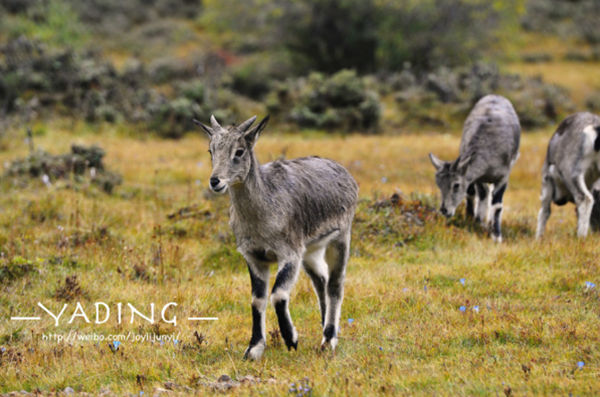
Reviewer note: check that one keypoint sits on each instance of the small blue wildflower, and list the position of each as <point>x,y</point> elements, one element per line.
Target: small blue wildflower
<point>476,309</point>
<point>589,285</point>
<point>384,179</point>
<point>3,349</point>
<point>141,393</point>
<point>580,364</point>
<point>425,288</point>
<point>462,309</point>
<point>404,289</point>
<point>175,342</point>
<point>350,320</point>
<point>462,281</point>
<point>162,342</point>
<point>116,345</point>
<point>380,348</point>
<point>198,182</point>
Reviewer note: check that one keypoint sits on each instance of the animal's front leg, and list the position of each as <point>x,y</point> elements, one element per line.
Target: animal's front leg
<point>259,278</point>
<point>483,204</point>
<point>280,297</point>
<point>471,201</point>
<point>497,197</point>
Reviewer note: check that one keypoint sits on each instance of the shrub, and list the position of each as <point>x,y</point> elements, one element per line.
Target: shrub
<point>81,161</point>
<point>447,94</point>
<point>255,76</point>
<point>162,70</point>
<point>175,117</point>
<point>593,102</point>
<point>566,18</point>
<point>328,35</point>
<point>338,102</point>
<point>539,104</point>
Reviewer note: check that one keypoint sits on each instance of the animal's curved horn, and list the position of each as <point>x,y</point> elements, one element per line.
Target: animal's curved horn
<point>213,122</point>
<point>246,124</point>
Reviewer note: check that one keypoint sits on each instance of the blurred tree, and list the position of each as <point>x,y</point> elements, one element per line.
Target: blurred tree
<point>365,35</point>
<point>329,35</point>
<point>576,18</point>
<point>431,33</point>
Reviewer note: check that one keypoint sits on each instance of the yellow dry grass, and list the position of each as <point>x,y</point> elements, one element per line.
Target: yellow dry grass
<point>536,318</point>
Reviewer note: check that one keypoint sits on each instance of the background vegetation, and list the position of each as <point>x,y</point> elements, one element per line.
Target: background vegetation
<point>104,192</point>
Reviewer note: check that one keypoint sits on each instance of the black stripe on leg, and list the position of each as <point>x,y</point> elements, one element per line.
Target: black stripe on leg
<point>258,285</point>
<point>497,222</point>
<point>497,199</point>
<point>597,142</point>
<point>329,332</point>
<point>336,280</point>
<point>471,189</point>
<point>283,276</point>
<point>498,194</point>
<point>482,192</point>
<point>257,335</point>
<point>319,283</point>
<point>470,200</point>
<point>285,326</point>
<point>470,207</point>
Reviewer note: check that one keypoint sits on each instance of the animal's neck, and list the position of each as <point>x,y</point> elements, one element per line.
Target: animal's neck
<point>247,197</point>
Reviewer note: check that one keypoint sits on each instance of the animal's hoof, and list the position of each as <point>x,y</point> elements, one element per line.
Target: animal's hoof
<point>291,345</point>
<point>497,239</point>
<point>254,352</point>
<point>332,343</point>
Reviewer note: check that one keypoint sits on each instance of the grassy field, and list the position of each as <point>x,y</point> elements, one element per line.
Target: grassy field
<point>529,325</point>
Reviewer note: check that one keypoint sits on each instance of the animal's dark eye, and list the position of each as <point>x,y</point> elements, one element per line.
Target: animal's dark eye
<point>239,153</point>
<point>456,187</point>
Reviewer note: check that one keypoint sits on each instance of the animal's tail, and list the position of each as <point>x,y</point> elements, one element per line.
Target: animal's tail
<point>597,141</point>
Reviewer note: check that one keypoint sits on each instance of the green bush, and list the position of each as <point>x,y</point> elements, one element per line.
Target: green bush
<point>175,117</point>
<point>576,18</point>
<point>338,102</point>
<point>256,76</point>
<point>81,162</point>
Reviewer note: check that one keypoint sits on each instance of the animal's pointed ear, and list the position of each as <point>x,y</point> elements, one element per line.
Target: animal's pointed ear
<point>437,163</point>
<point>206,129</point>
<point>252,135</point>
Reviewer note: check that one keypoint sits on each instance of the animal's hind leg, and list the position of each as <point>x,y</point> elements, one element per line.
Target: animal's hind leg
<point>545,210</point>
<point>471,201</point>
<point>584,201</point>
<point>316,268</point>
<point>337,255</point>
<point>287,275</point>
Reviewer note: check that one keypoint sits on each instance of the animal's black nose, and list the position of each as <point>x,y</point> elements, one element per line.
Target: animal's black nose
<point>444,211</point>
<point>214,182</point>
